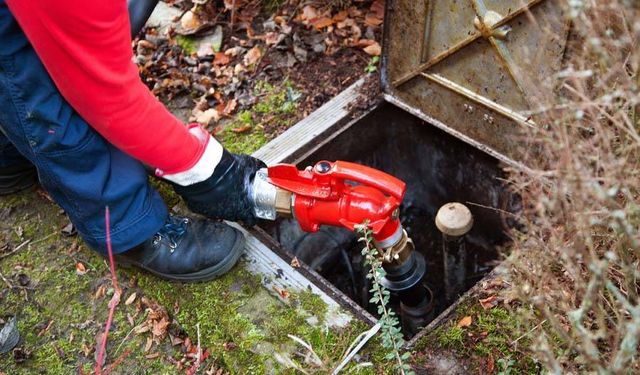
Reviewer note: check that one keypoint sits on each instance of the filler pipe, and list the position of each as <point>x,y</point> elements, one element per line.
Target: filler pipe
<point>325,194</point>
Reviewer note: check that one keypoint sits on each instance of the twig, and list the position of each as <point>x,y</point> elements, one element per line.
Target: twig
<point>117,361</point>
<point>115,300</point>
<point>43,238</point>
<point>492,208</point>
<point>357,344</point>
<point>527,333</point>
<point>6,281</point>
<point>199,356</point>
<point>15,250</point>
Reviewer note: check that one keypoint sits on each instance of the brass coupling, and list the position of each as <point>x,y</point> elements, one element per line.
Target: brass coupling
<point>399,252</point>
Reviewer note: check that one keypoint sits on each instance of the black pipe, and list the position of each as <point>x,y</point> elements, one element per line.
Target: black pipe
<point>139,13</point>
<point>405,279</point>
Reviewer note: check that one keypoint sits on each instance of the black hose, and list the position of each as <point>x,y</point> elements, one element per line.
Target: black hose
<point>139,13</point>
<point>352,276</point>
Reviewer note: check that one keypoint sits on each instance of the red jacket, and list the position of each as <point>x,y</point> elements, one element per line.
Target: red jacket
<point>85,45</point>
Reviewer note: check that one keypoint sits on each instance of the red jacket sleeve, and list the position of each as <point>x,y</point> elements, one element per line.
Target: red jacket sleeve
<point>86,48</point>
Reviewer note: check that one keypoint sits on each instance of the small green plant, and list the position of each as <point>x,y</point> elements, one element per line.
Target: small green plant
<point>391,333</point>
<point>505,366</point>
<point>372,67</point>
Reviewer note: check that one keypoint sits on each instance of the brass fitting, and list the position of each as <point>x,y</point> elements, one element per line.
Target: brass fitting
<point>284,202</point>
<point>399,252</point>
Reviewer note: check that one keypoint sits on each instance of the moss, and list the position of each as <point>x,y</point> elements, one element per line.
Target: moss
<point>452,338</point>
<point>188,44</point>
<point>170,197</point>
<point>491,333</point>
<point>312,303</point>
<point>57,296</point>
<point>243,143</point>
<point>239,321</point>
<point>274,109</point>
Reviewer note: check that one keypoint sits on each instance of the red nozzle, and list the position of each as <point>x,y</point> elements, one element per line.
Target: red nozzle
<point>342,194</point>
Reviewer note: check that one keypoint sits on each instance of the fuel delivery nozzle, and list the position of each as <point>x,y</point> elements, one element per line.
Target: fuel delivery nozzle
<point>346,194</point>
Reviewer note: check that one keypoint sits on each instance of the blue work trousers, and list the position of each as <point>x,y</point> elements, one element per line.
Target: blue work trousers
<point>81,171</point>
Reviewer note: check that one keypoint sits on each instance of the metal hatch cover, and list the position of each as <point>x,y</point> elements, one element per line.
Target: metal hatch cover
<point>471,65</point>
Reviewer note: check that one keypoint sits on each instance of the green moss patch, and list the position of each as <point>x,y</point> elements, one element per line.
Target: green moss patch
<point>58,312</point>
<point>494,335</point>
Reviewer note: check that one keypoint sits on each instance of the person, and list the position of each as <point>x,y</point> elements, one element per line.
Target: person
<point>75,115</point>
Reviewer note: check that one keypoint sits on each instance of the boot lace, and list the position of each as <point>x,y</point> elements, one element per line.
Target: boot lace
<point>172,232</point>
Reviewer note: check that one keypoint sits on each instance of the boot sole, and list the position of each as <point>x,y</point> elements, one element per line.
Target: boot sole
<point>206,274</point>
<point>16,182</point>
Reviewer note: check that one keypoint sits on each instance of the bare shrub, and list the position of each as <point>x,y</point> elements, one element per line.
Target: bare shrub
<point>576,264</point>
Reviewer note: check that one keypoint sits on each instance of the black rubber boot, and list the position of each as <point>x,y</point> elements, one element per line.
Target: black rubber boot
<point>188,250</point>
<point>17,177</point>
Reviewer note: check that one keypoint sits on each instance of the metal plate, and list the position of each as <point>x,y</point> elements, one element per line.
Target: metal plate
<point>473,65</point>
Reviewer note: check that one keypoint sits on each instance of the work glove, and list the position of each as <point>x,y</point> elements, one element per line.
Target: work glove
<point>226,194</point>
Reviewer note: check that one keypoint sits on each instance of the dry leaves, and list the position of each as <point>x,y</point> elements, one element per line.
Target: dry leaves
<point>252,56</point>
<point>465,322</point>
<point>373,49</point>
<point>283,293</point>
<point>131,299</point>
<point>81,269</point>
<point>488,302</point>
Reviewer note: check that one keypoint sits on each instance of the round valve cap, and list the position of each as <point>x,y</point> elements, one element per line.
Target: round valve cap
<point>454,219</point>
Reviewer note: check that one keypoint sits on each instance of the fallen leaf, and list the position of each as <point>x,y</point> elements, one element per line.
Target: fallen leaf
<point>373,50</point>
<point>340,16</point>
<point>365,42</point>
<point>100,292</point>
<point>282,292</point>
<point>152,355</point>
<point>160,328</point>
<point>295,262</point>
<point>130,320</point>
<point>322,22</point>
<point>229,107</point>
<point>234,51</point>
<point>241,129</point>
<point>146,44</point>
<point>175,340</point>
<point>205,117</point>
<point>273,38</point>
<point>309,12</point>
<point>252,56</point>
<point>131,299</point>
<point>221,59</point>
<point>488,302</point>
<point>465,322</point>
<point>378,8</point>
<point>140,329</point>
<point>490,364</point>
<point>147,345</point>
<point>371,20</point>
<point>218,130</point>
<point>81,269</point>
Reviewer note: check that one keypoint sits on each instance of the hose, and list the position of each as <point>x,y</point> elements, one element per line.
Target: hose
<point>139,13</point>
